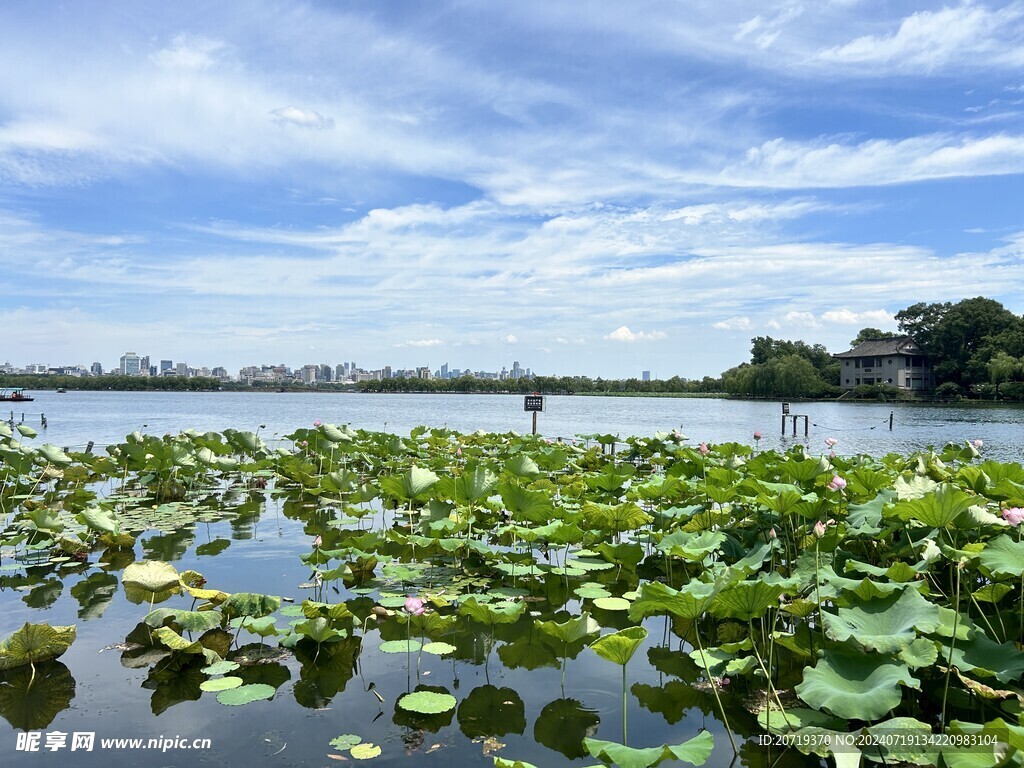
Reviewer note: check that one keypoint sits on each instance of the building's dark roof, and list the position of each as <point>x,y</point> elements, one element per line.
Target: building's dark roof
<point>904,345</point>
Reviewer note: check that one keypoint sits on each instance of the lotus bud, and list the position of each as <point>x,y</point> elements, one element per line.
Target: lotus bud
<point>318,423</point>
<point>772,534</point>
<point>317,541</point>
<point>837,483</point>
<point>380,611</point>
<point>819,529</point>
<point>703,448</point>
<point>831,442</point>
<point>757,435</point>
<point>930,552</point>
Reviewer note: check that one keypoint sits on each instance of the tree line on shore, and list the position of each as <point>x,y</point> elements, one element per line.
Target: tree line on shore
<point>976,349</point>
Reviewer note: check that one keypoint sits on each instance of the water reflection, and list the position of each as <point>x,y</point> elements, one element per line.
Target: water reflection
<point>563,724</point>
<point>31,699</point>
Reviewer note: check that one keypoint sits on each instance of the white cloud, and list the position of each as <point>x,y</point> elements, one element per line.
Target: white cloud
<point>421,343</point>
<point>733,324</point>
<point>806,319</point>
<point>188,52</point>
<point>303,118</point>
<point>848,317</point>
<point>930,39</point>
<point>510,339</point>
<point>622,333</point>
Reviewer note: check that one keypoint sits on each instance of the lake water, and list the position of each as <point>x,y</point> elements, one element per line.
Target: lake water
<point>75,418</point>
<point>509,692</point>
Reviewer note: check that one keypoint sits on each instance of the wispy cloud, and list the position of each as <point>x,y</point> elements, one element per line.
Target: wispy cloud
<point>303,118</point>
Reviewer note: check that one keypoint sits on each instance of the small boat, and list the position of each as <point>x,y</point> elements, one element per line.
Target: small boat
<point>15,395</point>
<point>61,391</point>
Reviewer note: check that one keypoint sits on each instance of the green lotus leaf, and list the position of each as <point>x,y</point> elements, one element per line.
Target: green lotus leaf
<point>614,518</point>
<point>985,657</point>
<point>475,485</point>
<point>914,487</point>
<point>439,649</point>
<point>571,630</point>
<point>500,762</point>
<point>264,626</point>
<point>612,604</point>
<point>886,624</point>
<point>319,630</point>
<point>412,484</point>
<point>695,751</point>
<point>245,694</point>
<point>889,742</point>
<point>620,646</point>
<point>99,519</point>
<point>490,615</point>
<point>805,470</point>
<point>588,565</point>
<point>250,604</point>
<point>522,465</point>
<point>526,505</point>
<point>922,652</point>
<point>220,668</point>
<point>1003,556</point>
<point>585,592</point>
<point>746,600</point>
<point>190,621</point>
<point>54,455</point>
<point>171,639</point>
<point>400,646</point>
<point>774,720</point>
<point>991,593</point>
<point>35,643</point>
<point>26,430</point>
<point>855,686</point>
<point>689,603</point>
<point>365,751</point>
<point>221,684</point>
<point>937,509</point>
<point>427,702</point>
<point>345,741</point>
<point>151,576</point>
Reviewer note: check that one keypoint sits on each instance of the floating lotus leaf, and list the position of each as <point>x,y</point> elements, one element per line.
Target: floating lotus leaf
<point>245,694</point>
<point>221,684</point>
<point>400,646</point>
<point>620,646</point>
<point>35,643</point>
<point>774,720</point>
<point>1003,556</point>
<point>611,604</point>
<point>695,752</point>
<point>885,624</point>
<point>365,751</point>
<point>586,592</point>
<point>220,668</point>
<point>507,613</point>
<point>855,686</point>
<point>439,649</point>
<point>427,702</point>
<point>190,621</point>
<point>345,741</point>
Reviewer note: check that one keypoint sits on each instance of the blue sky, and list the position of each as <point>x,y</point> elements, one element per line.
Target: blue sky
<point>593,188</point>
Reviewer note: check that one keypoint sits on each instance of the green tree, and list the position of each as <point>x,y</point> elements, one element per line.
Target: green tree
<point>866,334</point>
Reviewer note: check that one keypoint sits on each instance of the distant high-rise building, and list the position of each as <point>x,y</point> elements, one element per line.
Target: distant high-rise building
<point>352,367</point>
<point>386,372</point>
<point>339,372</point>
<point>130,364</point>
<point>326,373</point>
<point>182,369</point>
<point>144,365</point>
<point>444,371</point>
<point>166,365</point>
<point>309,373</point>
<point>96,369</point>
<point>220,372</point>
<point>645,375</point>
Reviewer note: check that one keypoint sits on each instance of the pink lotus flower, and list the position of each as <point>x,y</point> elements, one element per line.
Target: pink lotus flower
<point>837,483</point>
<point>317,541</point>
<point>458,451</point>
<point>703,448</point>
<point>1014,516</point>
<point>977,443</point>
<point>757,435</point>
<point>772,534</point>
<point>830,441</point>
<point>317,423</point>
<point>819,529</point>
<point>414,606</point>
<point>831,454</point>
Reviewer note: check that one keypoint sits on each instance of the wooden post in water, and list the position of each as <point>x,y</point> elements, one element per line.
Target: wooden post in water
<point>890,421</point>
<point>535,422</point>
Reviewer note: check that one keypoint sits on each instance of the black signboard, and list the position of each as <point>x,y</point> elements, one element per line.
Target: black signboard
<point>785,409</point>
<point>533,403</point>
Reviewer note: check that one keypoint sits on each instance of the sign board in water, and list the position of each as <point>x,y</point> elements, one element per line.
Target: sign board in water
<point>533,403</point>
<point>785,409</point>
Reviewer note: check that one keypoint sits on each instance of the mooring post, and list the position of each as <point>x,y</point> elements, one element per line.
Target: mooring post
<point>783,425</point>
<point>88,448</point>
<point>805,426</point>
<point>890,421</point>
<point>535,422</point>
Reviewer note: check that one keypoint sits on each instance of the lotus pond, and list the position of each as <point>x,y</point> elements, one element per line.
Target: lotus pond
<point>503,600</point>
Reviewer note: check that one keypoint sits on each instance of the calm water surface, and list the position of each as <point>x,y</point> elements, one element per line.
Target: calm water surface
<point>76,418</point>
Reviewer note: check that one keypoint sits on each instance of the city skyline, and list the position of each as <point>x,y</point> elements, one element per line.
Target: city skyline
<point>599,189</point>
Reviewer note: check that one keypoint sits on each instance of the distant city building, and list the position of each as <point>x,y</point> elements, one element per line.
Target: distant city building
<point>339,372</point>
<point>386,372</point>
<point>310,373</point>
<point>645,375</point>
<point>96,369</point>
<point>444,371</point>
<point>144,367</point>
<point>182,369</point>
<point>166,365</point>
<point>220,372</point>
<point>326,373</point>
<point>130,364</point>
